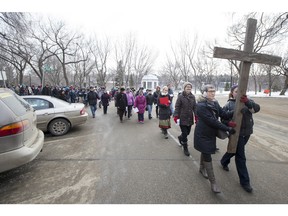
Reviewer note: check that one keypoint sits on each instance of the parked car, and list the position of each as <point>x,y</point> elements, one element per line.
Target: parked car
<point>20,139</point>
<point>56,116</point>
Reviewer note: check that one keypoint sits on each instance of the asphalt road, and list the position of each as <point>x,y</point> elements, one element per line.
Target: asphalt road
<point>108,162</point>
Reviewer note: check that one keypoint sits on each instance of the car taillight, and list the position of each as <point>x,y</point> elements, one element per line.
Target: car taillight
<point>14,128</point>
<point>83,111</point>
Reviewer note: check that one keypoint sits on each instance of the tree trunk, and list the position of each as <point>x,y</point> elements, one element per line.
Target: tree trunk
<point>285,86</point>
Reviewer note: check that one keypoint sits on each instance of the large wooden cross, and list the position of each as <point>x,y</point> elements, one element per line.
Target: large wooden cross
<point>247,57</point>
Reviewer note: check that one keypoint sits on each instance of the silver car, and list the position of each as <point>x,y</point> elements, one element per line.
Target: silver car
<point>20,140</point>
<point>56,116</point>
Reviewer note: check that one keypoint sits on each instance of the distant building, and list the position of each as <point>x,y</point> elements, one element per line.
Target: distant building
<point>149,81</point>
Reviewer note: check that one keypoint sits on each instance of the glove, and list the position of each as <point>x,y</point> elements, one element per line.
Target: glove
<point>231,130</point>
<point>232,124</point>
<point>175,119</point>
<point>244,99</point>
<point>196,119</point>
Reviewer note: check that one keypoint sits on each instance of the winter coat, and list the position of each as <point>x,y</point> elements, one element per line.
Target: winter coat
<point>206,128</point>
<point>184,108</point>
<point>149,99</point>
<point>130,98</point>
<point>105,98</point>
<point>92,97</point>
<point>164,110</point>
<point>247,119</point>
<point>140,103</point>
<point>156,95</point>
<point>121,101</point>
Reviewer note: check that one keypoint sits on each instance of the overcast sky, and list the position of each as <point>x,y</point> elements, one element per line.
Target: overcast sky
<point>155,23</point>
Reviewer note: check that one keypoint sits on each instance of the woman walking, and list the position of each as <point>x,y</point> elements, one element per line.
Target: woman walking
<point>185,109</point>
<point>208,111</point>
<point>140,103</point>
<point>245,131</point>
<point>164,102</point>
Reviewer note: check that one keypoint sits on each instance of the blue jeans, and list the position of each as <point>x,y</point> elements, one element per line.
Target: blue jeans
<point>149,109</point>
<point>240,160</point>
<point>93,109</point>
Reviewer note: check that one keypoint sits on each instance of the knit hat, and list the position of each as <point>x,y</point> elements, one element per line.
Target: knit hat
<point>185,84</point>
<point>233,87</point>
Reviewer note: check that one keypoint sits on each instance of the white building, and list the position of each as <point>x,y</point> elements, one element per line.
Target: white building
<point>149,81</point>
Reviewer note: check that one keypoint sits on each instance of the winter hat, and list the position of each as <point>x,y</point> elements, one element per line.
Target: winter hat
<point>233,87</point>
<point>185,84</point>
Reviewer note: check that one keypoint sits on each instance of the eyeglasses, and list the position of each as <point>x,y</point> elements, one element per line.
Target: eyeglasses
<point>211,91</point>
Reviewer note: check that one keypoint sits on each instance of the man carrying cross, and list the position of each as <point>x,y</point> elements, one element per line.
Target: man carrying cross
<point>242,106</point>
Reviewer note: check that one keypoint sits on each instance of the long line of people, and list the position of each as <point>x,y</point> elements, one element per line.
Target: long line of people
<point>205,112</point>
<point>208,116</point>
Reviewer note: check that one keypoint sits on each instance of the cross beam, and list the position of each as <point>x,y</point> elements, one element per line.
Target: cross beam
<point>247,57</point>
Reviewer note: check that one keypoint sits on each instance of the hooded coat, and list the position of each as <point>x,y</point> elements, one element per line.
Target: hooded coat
<point>206,128</point>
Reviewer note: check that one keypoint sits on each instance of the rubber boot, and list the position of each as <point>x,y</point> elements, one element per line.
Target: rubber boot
<point>202,169</point>
<point>209,168</point>
<point>185,149</point>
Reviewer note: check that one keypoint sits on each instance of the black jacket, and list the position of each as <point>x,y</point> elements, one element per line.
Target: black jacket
<point>92,97</point>
<point>208,124</point>
<point>164,110</point>
<point>184,108</point>
<point>247,119</point>
<point>121,101</point>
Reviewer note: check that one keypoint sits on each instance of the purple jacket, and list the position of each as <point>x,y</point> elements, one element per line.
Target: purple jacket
<point>130,98</point>
<point>140,103</point>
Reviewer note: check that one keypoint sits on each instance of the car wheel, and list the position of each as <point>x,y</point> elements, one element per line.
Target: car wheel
<point>59,127</point>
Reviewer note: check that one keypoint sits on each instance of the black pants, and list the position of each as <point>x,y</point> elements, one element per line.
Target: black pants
<point>157,112</point>
<point>121,113</point>
<point>240,160</point>
<point>129,110</point>
<point>105,109</point>
<point>185,131</point>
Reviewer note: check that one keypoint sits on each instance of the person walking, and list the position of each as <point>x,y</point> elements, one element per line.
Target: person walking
<point>156,95</point>
<point>208,111</point>
<point>121,102</point>
<point>245,132</point>
<point>184,113</point>
<point>171,94</point>
<point>140,103</point>
<point>149,102</point>
<point>130,101</point>
<point>105,99</point>
<point>165,112</point>
<point>91,99</point>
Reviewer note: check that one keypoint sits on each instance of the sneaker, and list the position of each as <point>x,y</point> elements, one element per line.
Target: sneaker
<point>247,188</point>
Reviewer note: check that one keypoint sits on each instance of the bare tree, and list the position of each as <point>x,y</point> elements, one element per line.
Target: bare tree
<point>271,29</point>
<point>143,63</point>
<point>172,71</point>
<point>283,70</point>
<point>101,50</point>
<point>66,45</point>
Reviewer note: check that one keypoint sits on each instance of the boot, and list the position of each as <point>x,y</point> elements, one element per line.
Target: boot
<point>202,169</point>
<point>180,140</point>
<point>209,168</point>
<point>185,149</point>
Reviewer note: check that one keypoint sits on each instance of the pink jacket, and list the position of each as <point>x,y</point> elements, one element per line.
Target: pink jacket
<point>140,103</point>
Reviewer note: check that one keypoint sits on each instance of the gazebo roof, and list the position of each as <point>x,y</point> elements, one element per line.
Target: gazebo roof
<point>150,77</point>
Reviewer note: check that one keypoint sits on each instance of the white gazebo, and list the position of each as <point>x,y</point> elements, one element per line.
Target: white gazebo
<point>149,81</point>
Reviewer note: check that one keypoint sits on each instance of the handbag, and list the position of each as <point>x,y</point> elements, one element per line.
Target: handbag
<point>222,134</point>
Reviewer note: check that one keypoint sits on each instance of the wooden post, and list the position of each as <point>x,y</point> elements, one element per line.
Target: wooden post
<point>247,57</point>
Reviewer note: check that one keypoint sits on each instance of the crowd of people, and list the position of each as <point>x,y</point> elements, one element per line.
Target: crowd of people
<point>205,112</point>
<point>208,116</point>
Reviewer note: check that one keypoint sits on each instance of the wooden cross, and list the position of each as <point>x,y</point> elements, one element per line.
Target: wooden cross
<point>247,57</point>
